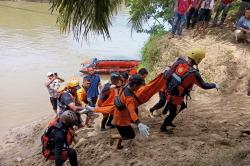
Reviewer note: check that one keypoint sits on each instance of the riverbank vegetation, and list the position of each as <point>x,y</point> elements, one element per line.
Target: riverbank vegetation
<point>150,52</point>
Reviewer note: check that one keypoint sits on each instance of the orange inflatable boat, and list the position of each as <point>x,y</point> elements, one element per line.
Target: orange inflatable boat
<point>108,66</point>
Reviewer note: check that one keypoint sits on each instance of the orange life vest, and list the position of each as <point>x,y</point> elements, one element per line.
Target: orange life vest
<point>179,81</point>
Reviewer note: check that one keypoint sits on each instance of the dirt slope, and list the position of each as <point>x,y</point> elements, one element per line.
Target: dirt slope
<point>207,133</point>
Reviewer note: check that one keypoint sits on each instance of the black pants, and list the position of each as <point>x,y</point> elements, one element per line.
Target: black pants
<point>192,16</point>
<point>72,157</point>
<point>61,154</point>
<point>161,102</point>
<point>106,121</point>
<point>172,109</point>
<point>79,118</point>
<point>204,15</point>
<point>92,101</point>
<point>109,122</point>
<point>126,132</point>
<point>53,102</point>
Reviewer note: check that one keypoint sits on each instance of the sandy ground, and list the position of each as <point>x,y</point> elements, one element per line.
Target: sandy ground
<point>214,130</point>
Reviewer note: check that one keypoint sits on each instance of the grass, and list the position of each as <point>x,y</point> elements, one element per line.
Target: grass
<point>150,54</point>
<point>229,54</point>
<point>234,10</point>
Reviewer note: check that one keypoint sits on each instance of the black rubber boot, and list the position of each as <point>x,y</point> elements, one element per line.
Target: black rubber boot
<point>163,130</point>
<point>109,122</point>
<point>103,124</point>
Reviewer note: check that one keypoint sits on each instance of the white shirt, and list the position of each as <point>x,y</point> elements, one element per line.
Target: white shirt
<point>53,87</point>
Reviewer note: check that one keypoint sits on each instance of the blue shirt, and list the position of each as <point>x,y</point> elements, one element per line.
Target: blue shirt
<point>93,88</point>
<point>243,23</point>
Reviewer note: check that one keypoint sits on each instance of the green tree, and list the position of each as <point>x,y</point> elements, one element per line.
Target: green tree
<point>85,16</point>
<point>144,11</point>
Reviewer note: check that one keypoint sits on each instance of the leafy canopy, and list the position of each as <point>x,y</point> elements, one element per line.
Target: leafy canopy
<point>85,16</point>
<point>150,12</point>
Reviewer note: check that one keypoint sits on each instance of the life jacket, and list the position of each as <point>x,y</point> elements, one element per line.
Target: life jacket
<point>119,104</point>
<point>48,142</point>
<point>177,73</point>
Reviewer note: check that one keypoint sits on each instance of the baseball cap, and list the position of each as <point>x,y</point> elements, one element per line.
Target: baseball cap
<point>49,73</point>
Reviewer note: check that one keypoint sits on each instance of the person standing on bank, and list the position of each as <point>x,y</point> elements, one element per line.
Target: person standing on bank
<point>180,17</point>
<point>53,84</point>
<point>95,85</point>
<point>192,15</point>
<point>205,12</point>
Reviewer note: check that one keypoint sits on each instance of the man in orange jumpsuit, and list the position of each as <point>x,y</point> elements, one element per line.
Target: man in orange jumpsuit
<point>124,113</point>
<point>107,96</point>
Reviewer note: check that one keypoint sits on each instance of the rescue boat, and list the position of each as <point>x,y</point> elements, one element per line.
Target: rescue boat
<point>109,66</point>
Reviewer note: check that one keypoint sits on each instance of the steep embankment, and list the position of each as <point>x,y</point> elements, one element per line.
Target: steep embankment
<point>212,131</point>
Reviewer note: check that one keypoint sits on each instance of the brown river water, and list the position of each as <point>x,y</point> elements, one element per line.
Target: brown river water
<point>31,45</point>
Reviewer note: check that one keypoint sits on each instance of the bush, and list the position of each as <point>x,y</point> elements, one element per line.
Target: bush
<point>151,52</point>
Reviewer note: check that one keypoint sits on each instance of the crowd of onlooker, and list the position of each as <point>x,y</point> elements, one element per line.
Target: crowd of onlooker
<point>196,14</point>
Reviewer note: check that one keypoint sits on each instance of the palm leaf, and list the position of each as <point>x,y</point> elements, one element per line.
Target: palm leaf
<point>85,16</point>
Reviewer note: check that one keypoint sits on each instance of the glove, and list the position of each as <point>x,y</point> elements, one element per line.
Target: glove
<point>87,110</point>
<point>144,129</point>
<point>217,86</point>
<point>112,86</point>
<point>84,111</point>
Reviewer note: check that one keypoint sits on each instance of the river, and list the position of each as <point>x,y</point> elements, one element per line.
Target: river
<point>31,45</point>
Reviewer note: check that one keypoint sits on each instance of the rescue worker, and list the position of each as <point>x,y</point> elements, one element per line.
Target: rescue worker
<point>125,105</point>
<point>57,139</point>
<point>81,98</point>
<point>124,76</point>
<point>180,80</point>
<point>143,73</point>
<point>107,96</point>
<point>66,101</point>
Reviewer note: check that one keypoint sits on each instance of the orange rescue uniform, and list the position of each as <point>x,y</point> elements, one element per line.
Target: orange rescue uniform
<point>106,106</point>
<point>125,116</point>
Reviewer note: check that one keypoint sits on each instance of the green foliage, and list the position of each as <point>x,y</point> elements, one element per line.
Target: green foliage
<point>150,52</point>
<point>94,16</point>
<point>229,54</point>
<point>234,9</point>
<point>84,16</point>
<point>157,30</point>
<point>144,11</point>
